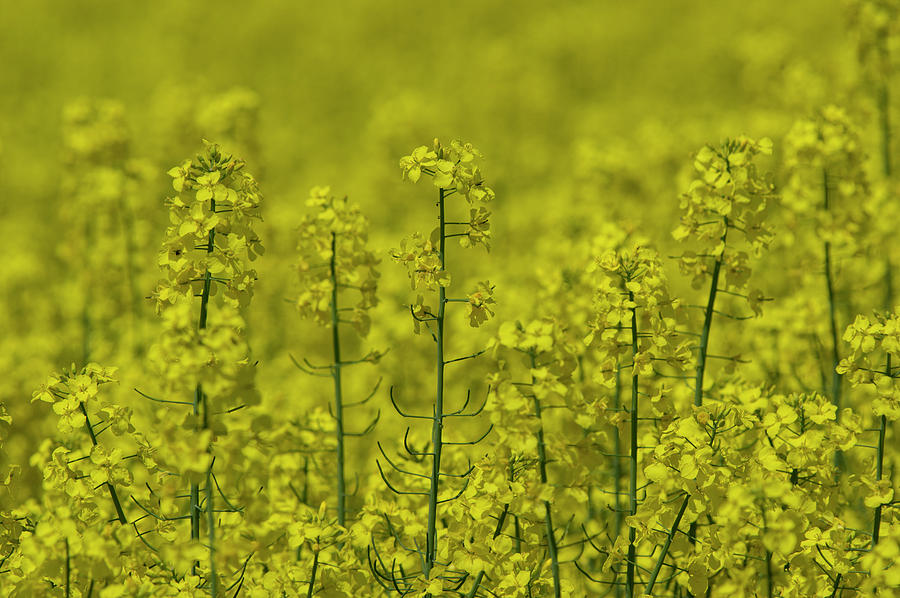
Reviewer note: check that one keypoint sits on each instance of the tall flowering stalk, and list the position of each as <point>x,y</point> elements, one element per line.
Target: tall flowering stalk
<point>73,393</point>
<point>876,24</point>
<point>827,181</point>
<point>727,199</point>
<point>454,171</point>
<point>334,258</point>
<point>724,213</point>
<point>633,317</point>
<point>86,477</point>
<point>99,186</point>
<point>205,255</point>
<point>519,413</point>
<point>867,339</point>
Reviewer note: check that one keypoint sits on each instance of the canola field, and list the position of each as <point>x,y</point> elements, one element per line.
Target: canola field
<point>475,299</point>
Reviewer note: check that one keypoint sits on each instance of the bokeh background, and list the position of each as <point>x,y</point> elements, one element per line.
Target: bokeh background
<point>587,112</point>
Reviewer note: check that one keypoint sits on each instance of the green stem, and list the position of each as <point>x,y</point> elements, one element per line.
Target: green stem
<point>632,485</point>
<point>312,577</point>
<point>617,461</point>
<point>199,397</point>
<point>211,535</point>
<point>338,392</point>
<point>770,581</point>
<point>548,516</point>
<point>887,170</point>
<point>517,539</point>
<point>120,514</point>
<point>437,426</point>
<point>68,571</point>
<point>837,585</point>
<point>704,346</point>
<point>832,310</point>
<point>665,550</point>
<point>195,487</point>
<point>518,528</point>
<point>879,465</point>
<point>617,447</point>
<point>707,324</point>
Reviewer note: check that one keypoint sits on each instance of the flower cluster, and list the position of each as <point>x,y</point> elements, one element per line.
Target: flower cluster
<point>216,356</point>
<point>72,391</point>
<point>528,409</point>
<point>633,292</point>
<point>211,234</point>
<point>332,246</point>
<point>512,407</point>
<point>82,416</point>
<point>826,176</point>
<point>868,339</point>
<point>728,194</point>
<point>452,168</point>
<point>101,189</point>
<point>877,27</point>
<point>423,262</point>
<point>454,171</point>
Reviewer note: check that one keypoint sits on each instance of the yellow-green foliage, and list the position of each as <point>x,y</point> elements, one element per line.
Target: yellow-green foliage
<point>636,335</point>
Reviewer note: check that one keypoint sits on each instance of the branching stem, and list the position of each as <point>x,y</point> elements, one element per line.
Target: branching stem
<point>707,323</point>
<point>832,309</point>
<point>437,425</point>
<point>548,515</point>
<point>665,550</point>
<point>338,388</point>
<point>632,485</point>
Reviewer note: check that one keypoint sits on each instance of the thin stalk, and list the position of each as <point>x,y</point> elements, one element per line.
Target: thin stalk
<point>68,571</point>
<point>632,486</point>
<point>548,516</point>
<point>518,528</point>
<point>617,462</point>
<point>837,585</point>
<point>665,550</point>
<point>517,540</point>
<point>770,581</point>
<point>312,577</point>
<point>832,315</point>
<point>437,425</point>
<point>887,169</point>
<point>879,465</point>
<point>707,324</point>
<point>704,346</point>
<point>199,397</point>
<point>338,392</point>
<point>211,535</point>
<point>120,514</point>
